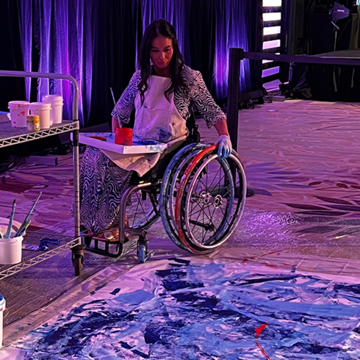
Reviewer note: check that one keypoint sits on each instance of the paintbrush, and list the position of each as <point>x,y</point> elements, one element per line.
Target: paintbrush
<point>24,229</point>
<point>8,232</point>
<point>113,97</point>
<point>26,220</point>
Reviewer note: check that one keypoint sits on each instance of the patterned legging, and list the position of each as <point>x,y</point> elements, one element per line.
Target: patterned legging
<point>102,185</point>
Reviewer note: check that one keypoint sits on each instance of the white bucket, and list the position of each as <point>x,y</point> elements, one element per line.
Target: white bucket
<point>11,250</point>
<point>43,110</point>
<point>19,110</point>
<point>2,308</point>
<point>56,102</point>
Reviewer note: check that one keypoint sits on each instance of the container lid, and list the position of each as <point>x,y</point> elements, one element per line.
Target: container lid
<point>126,130</point>
<point>2,303</point>
<point>11,240</point>
<point>17,102</point>
<point>33,117</point>
<point>56,99</point>
<point>40,105</point>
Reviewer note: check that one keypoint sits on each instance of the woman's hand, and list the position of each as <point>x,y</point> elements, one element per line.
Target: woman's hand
<point>224,141</point>
<point>225,146</point>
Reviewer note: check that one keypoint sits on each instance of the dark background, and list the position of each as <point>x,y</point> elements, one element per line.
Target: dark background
<point>115,49</point>
<point>306,30</point>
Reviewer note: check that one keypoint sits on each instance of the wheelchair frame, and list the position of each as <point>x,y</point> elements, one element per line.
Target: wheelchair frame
<point>173,196</point>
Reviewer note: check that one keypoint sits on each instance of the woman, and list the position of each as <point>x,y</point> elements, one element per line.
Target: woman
<point>161,93</point>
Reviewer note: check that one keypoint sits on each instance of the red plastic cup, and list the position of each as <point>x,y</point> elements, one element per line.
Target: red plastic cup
<point>123,136</point>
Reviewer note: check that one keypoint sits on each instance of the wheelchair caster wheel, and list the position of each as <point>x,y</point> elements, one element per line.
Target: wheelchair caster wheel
<point>142,250</point>
<point>78,263</point>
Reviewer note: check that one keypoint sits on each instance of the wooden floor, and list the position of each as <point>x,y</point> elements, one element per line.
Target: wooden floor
<point>301,158</point>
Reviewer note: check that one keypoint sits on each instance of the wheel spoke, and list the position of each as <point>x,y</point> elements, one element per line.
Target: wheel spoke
<point>142,213</point>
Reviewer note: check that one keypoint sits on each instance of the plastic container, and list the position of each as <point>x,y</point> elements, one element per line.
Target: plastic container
<point>56,102</point>
<point>123,136</point>
<point>19,110</point>
<point>11,250</point>
<point>2,308</point>
<point>43,110</point>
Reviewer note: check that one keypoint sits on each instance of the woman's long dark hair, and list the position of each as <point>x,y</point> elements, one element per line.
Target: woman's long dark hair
<point>160,28</point>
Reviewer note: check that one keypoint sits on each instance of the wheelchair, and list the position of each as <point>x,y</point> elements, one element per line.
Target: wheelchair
<point>198,196</point>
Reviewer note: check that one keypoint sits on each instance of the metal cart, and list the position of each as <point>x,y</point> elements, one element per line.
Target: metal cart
<point>11,136</point>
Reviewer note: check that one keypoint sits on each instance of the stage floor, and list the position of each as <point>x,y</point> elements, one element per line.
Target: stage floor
<point>298,241</point>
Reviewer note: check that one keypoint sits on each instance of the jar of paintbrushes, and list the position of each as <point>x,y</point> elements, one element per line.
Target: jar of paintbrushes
<point>11,240</point>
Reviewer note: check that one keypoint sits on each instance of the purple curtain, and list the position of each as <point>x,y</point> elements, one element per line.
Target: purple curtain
<point>65,33</point>
<point>172,11</point>
<point>64,36</point>
<point>26,25</point>
<point>230,31</point>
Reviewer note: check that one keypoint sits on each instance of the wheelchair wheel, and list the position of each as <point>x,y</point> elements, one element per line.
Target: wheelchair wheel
<point>210,201</point>
<point>170,183</point>
<point>142,208</point>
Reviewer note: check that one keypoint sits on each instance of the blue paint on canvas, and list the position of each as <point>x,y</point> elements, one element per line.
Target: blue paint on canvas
<point>115,291</point>
<point>198,310</point>
<point>135,298</point>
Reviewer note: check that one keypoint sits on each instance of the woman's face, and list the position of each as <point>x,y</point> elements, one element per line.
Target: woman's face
<point>161,53</point>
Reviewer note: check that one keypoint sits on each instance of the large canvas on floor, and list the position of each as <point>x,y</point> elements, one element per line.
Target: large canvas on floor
<point>206,309</point>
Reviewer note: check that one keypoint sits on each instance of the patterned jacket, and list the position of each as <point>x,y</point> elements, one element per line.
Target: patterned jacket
<point>198,95</point>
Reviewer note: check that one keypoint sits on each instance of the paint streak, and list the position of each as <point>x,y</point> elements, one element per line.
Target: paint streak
<point>269,265</point>
<point>267,357</point>
<point>115,291</point>
<point>252,258</point>
<point>260,329</point>
<point>98,288</point>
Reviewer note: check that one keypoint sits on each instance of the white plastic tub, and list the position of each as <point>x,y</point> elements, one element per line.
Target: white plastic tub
<point>56,102</point>
<point>43,110</point>
<point>10,250</point>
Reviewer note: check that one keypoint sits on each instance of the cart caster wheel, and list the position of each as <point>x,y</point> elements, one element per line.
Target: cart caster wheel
<point>142,250</point>
<point>78,263</point>
<point>77,258</point>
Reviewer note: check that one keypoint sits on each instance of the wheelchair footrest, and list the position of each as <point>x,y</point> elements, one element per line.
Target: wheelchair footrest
<point>111,248</point>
